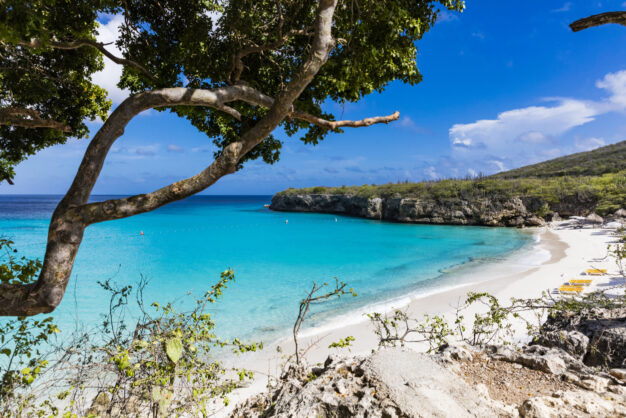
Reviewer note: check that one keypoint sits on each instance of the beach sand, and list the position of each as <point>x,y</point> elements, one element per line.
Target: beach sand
<point>562,252</point>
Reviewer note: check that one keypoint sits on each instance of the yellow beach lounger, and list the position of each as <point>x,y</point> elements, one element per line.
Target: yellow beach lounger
<point>580,282</point>
<point>570,289</point>
<point>596,271</point>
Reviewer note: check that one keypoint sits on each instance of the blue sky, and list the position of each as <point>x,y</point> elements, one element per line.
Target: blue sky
<point>505,84</point>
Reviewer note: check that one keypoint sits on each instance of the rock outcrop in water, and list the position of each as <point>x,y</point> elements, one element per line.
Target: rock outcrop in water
<point>490,212</point>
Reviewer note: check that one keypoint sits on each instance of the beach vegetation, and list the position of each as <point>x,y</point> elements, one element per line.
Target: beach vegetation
<point>23,353</point>
<point>236,71</point>
<point>343,342</point>
<point>398,328</point>
<point>319,293</point>
<point>492,324</point>
<point>158,363</point>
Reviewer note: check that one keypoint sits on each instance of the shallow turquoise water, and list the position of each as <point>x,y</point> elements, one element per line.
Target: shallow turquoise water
<point>187,244</point>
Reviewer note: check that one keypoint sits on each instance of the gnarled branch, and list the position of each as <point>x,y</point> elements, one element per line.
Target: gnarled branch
<point>599,19</point>
<point>38,43</point>
<point>29,118</point>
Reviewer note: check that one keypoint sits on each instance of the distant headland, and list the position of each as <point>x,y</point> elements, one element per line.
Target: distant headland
<point>591,183</point>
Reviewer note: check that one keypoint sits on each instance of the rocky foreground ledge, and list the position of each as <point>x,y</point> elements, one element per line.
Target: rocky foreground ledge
<point>515,212</point>
<point>578,373</point>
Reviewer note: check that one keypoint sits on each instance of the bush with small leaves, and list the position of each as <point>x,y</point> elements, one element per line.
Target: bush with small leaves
<point>23,353</point>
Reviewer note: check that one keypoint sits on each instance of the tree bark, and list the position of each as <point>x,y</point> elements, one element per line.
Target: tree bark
<point>29,118</point>
<point>599,19</point>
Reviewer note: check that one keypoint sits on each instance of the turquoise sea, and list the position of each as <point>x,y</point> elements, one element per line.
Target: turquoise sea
<point>185,246</point>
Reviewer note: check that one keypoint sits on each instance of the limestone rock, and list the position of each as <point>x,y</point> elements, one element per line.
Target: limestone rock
<point>573,342</point>
<point>604,328</point>
<point>621,213</point>
<point>594,218</point>
<point>490,211</point>
<point>574,404</point>
<point>389,383</point>
<point>459,352</point>
<point>619,373</point>
<point>549,360</point>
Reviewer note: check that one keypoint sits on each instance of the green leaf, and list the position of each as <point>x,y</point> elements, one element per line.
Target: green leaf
<point>174,349</point>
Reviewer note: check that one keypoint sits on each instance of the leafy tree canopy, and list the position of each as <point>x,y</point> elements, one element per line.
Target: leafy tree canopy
<point>48,52</point>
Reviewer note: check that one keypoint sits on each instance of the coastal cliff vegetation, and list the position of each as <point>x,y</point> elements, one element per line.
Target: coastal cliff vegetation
<point>594,179</point>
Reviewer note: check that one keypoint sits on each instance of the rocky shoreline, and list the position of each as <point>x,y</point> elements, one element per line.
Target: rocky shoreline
<point>488,211</point>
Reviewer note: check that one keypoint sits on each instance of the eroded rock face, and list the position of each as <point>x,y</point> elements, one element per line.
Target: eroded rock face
<point>390,383</point>
<point>515,212</point>
<point>605,332</point>
<point>573,342</point>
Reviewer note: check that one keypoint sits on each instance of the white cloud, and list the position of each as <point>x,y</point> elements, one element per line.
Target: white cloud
<point>406,122</point>
<point>478,35</point>
<point>498,164</point>
<point>589,143</point>
<point>533,137</point>
<point>110,76</point>
<point>174,148</point>
<point>565,8</point>
<point>616,84</point>
<point>431,172</point>
<point>446,16</point>
<point>147,150</point>
<point>519,136</point>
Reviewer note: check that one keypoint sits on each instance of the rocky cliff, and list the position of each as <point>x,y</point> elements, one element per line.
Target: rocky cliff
<point>516,211</point>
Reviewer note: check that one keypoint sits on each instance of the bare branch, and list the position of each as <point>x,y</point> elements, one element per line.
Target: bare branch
<point>598,20</point>
<point>38,43</point>
<point>255,97</point>
<point>29,118</point>
<point>345,123</point>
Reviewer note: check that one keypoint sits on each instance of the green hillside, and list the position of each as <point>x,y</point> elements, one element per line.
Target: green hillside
<point>609,159</point>
<point>597,176</point>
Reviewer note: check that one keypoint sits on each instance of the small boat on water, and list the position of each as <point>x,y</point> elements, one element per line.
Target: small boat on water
<point>266,206</point>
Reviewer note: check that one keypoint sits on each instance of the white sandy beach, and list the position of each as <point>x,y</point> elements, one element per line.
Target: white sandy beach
<point>561,253</point>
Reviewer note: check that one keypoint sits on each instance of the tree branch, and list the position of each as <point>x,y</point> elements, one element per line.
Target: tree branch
<point>257,98</point>
<point>38,43</point>
<point>29,118</point>
<point>344,123</point>
<point>599,19</point>
<point>237,65</point>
